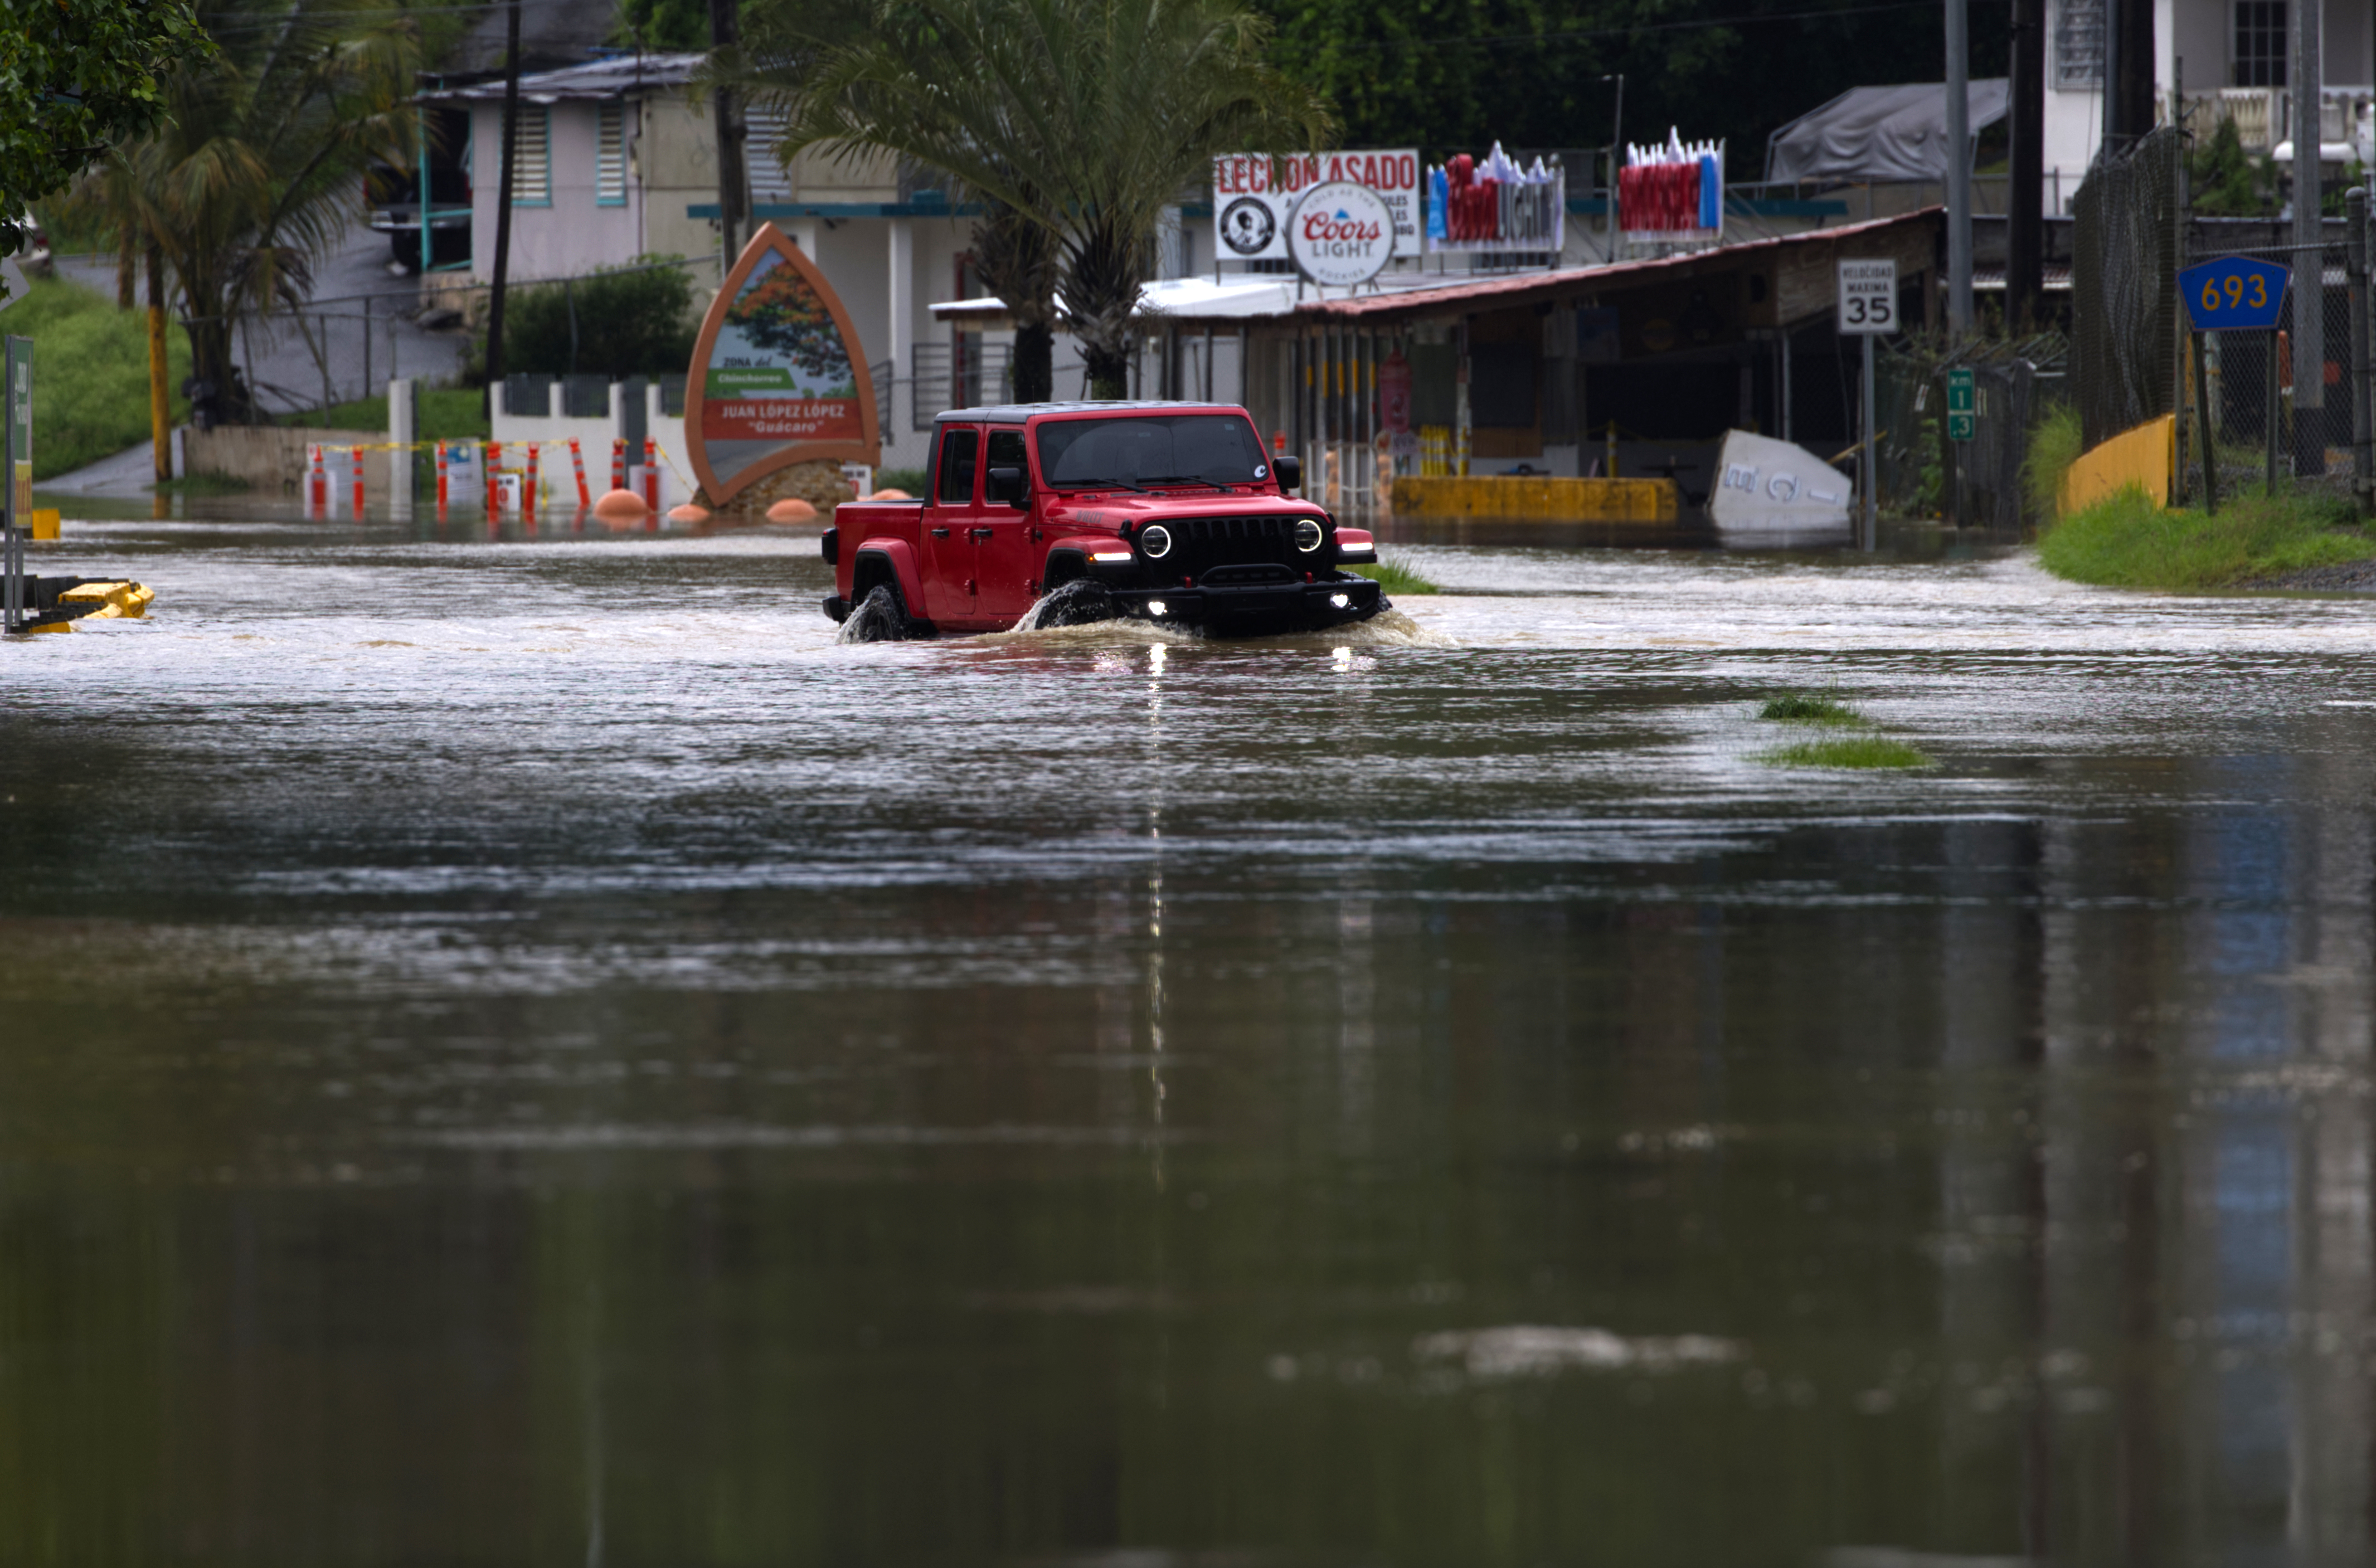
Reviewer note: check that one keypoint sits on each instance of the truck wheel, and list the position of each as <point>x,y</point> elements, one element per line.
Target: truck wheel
<point>880,617</point>
<point>1076,602</point>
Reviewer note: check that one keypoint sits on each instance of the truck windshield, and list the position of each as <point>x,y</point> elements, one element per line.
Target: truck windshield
<point>1138,449</point>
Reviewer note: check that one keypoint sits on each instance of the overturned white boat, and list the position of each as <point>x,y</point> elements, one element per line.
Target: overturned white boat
<point>1777,492</point>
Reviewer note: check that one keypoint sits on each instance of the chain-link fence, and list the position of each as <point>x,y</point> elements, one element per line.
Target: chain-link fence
<point>1974,483</point>
<point>2240,387</point>
<point>2124,262</point>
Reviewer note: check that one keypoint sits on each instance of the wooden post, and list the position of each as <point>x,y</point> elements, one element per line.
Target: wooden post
<point>2355,272</point>
<point>2203,422</point>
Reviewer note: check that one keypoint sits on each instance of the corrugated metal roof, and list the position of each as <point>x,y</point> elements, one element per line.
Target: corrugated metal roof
<point>620,76</point>
<point>1528,287</point>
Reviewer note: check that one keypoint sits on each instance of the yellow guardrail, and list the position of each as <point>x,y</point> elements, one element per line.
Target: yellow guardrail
<point>1538,498</point>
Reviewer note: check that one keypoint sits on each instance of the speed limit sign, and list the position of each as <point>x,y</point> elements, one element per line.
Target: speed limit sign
<point>1868,296</point>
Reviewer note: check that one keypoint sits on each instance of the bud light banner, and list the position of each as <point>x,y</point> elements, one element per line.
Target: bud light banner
<point>777,376</point>
<point>1254,194</point>
<point>1495,205</point>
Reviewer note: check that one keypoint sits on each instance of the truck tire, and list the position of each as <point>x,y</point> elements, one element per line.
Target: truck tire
<point>1076,602</point>
<point>880,617</point>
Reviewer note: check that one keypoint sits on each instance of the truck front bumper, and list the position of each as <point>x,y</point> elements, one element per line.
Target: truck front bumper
<point>1256,609</point>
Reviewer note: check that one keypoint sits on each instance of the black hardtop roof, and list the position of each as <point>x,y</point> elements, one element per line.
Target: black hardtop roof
<point>1014,413</point>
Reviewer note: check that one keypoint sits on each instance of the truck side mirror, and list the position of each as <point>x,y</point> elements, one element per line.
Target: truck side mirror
<point>1006,484</point>
<point>1290,472</point>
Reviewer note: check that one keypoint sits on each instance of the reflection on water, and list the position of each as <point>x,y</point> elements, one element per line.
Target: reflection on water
<point>528,1051</point>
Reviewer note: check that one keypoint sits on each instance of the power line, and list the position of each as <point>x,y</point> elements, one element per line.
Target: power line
<point>1682,26</point>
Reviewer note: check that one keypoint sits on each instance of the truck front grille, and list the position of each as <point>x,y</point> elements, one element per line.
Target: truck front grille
<point>1202,542</point>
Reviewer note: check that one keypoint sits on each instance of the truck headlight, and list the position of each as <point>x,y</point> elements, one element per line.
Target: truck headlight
<point>1156,540</point>
<point>1307,535</point>
<point>1155,607</point>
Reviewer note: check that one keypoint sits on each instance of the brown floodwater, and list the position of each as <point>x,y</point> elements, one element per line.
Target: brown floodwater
<point>523,1050</point>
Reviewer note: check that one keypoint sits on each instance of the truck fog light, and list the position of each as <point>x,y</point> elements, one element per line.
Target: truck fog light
<point>1155,607</point>
<point>1156,540</point>
<point>1342,602</point>
<point>1307,535</point>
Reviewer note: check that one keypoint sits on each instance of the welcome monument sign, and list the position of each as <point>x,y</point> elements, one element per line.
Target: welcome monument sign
<point>777,376</point>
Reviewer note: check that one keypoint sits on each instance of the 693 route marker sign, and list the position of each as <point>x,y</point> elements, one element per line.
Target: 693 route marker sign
<point>2234,294</point>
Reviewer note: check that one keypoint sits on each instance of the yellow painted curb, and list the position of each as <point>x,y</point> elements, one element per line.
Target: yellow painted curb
<point>2145,456</point>
<point>1540,496</point>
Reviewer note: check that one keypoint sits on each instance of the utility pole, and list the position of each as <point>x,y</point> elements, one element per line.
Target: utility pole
<point>1959,172</point>
<point>504,205</point>
<point>161,422</point>
<point>2132,61</point>
<point>2026,190</point>
<point>2309,291</point>
<point>733,211</point>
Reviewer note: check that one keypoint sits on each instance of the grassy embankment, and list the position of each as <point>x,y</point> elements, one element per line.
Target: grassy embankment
<point>1852,740</point>
<point>446,414</point>
<point>2127,541</point>
<point>90,373</point>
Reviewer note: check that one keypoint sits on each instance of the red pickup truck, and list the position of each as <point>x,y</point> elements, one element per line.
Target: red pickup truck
<point>1069,513</point>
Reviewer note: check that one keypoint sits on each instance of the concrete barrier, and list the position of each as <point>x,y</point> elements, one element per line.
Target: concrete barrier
<point>271,458</point>
<point>1542,497</point>
<point>2145,456</point>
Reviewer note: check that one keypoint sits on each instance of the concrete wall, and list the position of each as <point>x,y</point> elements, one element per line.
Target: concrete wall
<point>271,458</point>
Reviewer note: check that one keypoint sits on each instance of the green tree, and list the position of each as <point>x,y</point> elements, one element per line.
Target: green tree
<point>1450,76</point>
<point>259,161</point>
<point>1086,117</point>
<point>619,323</point>
<point>2230,182</point>
<point>76,74</point>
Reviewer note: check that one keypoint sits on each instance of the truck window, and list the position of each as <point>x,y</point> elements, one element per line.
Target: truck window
<point>1005,450</point>
<point>1150,449</point>
<point>958,449</point>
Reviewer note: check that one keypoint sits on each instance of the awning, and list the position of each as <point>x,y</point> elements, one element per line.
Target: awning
<point>1879,133</point>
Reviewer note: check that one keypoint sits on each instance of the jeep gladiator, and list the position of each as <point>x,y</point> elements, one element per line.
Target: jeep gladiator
<point>1167,512</point>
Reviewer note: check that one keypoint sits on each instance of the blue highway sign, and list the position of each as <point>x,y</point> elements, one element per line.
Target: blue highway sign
<point>2234,294</point>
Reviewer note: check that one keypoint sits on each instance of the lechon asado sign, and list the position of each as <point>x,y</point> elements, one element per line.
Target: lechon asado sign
<point>1254,196</point>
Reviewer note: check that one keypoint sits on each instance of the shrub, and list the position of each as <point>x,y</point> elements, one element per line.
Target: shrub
<point>2055,443</point>
<point>1802,708</point>
<point>630,322</point>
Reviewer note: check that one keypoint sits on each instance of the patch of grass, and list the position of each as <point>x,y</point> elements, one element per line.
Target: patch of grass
<point>205,484</point>
<point>2127,541</point>
<point>1806,708</point>
<point>2055,443</point>
<point>1394,578</point>
<point>90,373</point>
<point>446,414</point>
<point>915,482</point>
<point>1847,751</point>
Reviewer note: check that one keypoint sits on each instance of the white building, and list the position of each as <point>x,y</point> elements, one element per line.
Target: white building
<point>2231,59</point>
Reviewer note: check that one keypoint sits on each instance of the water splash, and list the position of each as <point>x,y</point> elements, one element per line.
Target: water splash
<point>1079,602</point>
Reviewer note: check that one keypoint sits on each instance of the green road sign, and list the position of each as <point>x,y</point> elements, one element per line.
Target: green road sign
<point>1963,405</point>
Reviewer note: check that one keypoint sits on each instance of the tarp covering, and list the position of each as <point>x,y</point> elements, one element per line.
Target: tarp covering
<point>1879,133</point>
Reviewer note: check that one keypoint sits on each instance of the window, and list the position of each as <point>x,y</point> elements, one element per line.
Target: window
<point>1153,449</point>
<point>611,155</point>
<point>1006,451</point>
<point>770,182</point>
<point>531,156</point>
<point>2258,58</point>
<point>957,448</point>
<point>2079,44</point>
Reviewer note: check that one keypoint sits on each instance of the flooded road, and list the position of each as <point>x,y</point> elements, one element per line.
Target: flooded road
<point>524,1050</point>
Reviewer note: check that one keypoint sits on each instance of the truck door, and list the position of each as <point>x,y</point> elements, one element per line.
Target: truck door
<point>951,513</point>
<point>1005,560</point>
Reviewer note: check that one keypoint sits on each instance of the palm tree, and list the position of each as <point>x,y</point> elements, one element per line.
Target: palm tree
<point>257,164</point>
<point>1087,117</point>
<point>1019,261</point>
